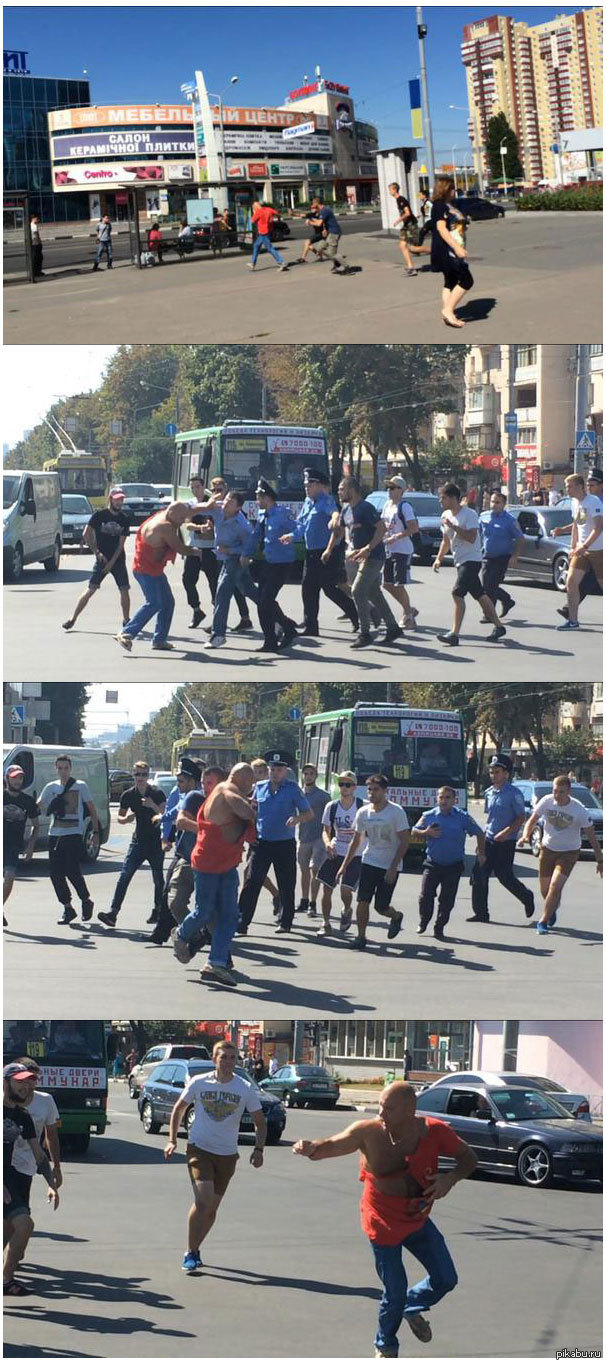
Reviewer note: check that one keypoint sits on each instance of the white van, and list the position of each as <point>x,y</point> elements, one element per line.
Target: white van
<point>32,515</point>
<point>90,765</point>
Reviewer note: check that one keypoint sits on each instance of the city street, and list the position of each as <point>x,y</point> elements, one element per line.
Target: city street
<point>36,647</point>
<point>504,967</point>
<point>537,276</point>
<point>287,1269</point>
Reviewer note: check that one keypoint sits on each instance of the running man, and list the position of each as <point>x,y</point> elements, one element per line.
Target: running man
<point>401,525</point>
<point>445,828</point>
<point>144,804</point>
<point>273,522</point>
<point>157,544</point>
<point>234,541</point>
<point>502,540</point>
<point>586,544</point>
<point>367,531</point>
<point>409,229</point>
<point>461,535</point>
<point>280,807</point>
<point>219,1098</point>
<point>504,806</point>
<point>589,583</point>
<point>327,223</point>
<point>179,880</point>
<point>313,526</point>
<point>311,852</point>
<point>106,535</point>
<point>399,1155</point>
<point>18,1224</point>
<point>19,808</point>
<point>69,803</point>
<point>263,216</point>
<point>385,826</point>
<point>337,834</point>
<point>565,823</point>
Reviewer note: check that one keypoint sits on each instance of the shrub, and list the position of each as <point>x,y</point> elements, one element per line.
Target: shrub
<point>581,198</point>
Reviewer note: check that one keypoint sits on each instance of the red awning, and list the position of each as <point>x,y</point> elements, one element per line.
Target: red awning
<point>488,461</point>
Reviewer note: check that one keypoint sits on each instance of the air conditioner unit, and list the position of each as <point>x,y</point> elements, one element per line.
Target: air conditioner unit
<point>547,465</point>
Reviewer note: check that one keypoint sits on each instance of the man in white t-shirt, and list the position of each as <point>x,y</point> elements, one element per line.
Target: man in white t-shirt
<point>43,1111</point>
<point>402,525</point>
<point>586,543</point>
<point>69,802</point>
<point>337,833</point>
<point>461,535</point>
<point>565,823</point>
<point>384,825</point>
<point>220,1098</point>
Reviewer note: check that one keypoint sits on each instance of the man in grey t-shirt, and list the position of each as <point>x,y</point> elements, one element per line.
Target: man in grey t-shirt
<point>311,851</point>
<point>69,802</point>
<point>104,242</point>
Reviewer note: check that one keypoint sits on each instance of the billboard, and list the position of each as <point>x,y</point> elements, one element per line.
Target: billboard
<point>239,140</point>
<point>106,115</point>
<point>138,142</point>
<point>117,174</point>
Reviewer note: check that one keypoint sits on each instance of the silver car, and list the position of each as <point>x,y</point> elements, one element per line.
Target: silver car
<point>542,556</point>
<point>76,512</point>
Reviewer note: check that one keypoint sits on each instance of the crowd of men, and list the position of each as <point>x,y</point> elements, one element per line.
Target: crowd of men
<point>356,556</point>
<point>195,840</point>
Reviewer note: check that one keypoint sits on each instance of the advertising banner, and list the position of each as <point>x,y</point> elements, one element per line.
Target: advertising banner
<point>73,1077</point>
<point>289,169</point>
<point>298,130</point>
<point>137,142</point>
<point>295,445</point>
<point>437,729</point>
<point>239,140</point>
<point>421,797</point>
<point>115,173</point>
<point>106,115</point>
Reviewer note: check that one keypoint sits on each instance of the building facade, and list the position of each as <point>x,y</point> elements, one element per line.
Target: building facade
<point>547,80</point>
<point>27,156</point>
<point>567,1051</point>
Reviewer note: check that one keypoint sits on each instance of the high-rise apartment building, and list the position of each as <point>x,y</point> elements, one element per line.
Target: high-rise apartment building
<point>538,384</point>
<point>547,80</point>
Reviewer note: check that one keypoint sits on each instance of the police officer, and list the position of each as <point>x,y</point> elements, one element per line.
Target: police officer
<point>178,887</point>
<point>274,522</point>
<point>281,806</point>
<point>504,807</point>
<point>313,526</point>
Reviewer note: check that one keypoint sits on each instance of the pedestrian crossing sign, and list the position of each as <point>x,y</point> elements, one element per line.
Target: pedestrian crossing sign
<point>585,442</point>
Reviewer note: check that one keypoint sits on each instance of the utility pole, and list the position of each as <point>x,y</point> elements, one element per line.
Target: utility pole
<point>297,1045</point>
<point>512,432</point>
<point>422,34</point>
<point>581,404</point>
<point>263,400</point>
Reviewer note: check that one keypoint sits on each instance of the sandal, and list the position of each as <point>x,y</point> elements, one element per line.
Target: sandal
<point>15,1290</point>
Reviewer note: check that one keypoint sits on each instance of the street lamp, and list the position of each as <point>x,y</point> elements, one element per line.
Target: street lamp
<point>161,388</point>
<point>233,80</point>
<point>503,151</point>
<point>454,169</point>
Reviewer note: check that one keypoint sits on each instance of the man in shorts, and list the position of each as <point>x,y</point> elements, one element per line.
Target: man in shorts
<point>586,544</point>
<point>18,809</point>
<point>565,824</point>
<point>461,536</point>
<point>106,535</point>
<point>310,851</point>
<point>589,585</point>
<point>337,833</point>
<point>219,1098</point>
<point>18,1223</point>
<point>385,826</point>
<point>409,228</point>
<point>402,525</point>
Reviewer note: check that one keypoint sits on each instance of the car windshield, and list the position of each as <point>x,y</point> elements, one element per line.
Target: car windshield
<point>10,489</point>
<point>139,490</point>
<point>578,792</point>
<point>72,502</point>
<point>311,1071</point>
<point>424,506</point>
<point>381,747</point>
<point>519,1103</point>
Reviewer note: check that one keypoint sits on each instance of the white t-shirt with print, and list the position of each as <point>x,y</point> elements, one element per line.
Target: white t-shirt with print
<point>343,823</point>
<point>562,824</point>
<point>464,551</point>
<point>44,1113</point>
<point>584,515</point>
<point>218,1108</point>
<point>73,820</point>
<point>393,521</point>
<point>382,829</point>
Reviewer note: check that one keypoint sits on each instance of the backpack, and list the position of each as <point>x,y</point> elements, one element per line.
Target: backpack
<point>416,539</point>
<point>333,810</point>
<point>148,258</point>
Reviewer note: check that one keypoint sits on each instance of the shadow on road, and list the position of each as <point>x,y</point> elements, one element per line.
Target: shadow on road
<point>476,310</point>
<point>254,1278</point>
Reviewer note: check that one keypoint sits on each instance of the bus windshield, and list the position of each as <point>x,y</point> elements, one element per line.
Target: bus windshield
<point>247,459</point>
<point>54,1040</point>
<point>380,746</point>
<point>83,480</point>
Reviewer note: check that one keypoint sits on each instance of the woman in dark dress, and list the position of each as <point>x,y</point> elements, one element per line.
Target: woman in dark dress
<point>448,253</point>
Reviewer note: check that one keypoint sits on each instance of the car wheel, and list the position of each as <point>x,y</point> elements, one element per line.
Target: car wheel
<point>536,841</point>
<point>92,844</point>
<point>289,1100</point>
<point>188,1122</point>
<point>559,572</point>
<point>52,565</point>
<point>534,1165</point>
<point>132,1088</point>
<point>148,1120</point>
<point>14,563</point>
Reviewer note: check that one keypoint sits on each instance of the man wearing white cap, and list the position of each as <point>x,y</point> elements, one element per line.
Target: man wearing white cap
<point>402,525</point>
<point>18,809</point>
<point>105,535</point>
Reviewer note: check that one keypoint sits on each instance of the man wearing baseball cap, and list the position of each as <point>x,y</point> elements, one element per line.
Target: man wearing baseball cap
<point>18,809</point>
<point>18,1124</point>
<point>504,806</point>
<point>106,535</point>
<point>589,585</point>
<point>281,806</point>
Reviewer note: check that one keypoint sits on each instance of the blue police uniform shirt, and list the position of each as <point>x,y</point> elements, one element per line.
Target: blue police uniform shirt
<point>167,818</point>
<point>499,534</point>
<point>233,534</point>
<point>312,521</point>
<point>273,522</point>
<point>276,806</point>
<point>502,808</point>
<point>364,518</point>
<point>186,839</point>
<point>454,828</point>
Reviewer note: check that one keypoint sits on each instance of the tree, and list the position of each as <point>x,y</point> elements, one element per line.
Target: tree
<point>570,750</point>
<point>67,703</point>
<point>498,131</point>
<point>147,458</point>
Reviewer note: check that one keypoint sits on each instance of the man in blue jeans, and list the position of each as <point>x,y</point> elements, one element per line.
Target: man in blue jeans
<point>263,216</point>
<point>144,804</point>
<point>104,242</point>
<point>234,540</point>
<point>399,1154</point>
<point>157,544</point>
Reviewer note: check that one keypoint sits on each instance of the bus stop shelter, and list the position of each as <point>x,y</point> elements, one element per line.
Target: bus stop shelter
<point>397,164</point>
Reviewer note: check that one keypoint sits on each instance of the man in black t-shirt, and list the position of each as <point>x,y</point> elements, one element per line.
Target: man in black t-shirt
<point>17,1123</point>
<point>106,535</point>
<point>144,804</point>
<point>409,229</point>
<point>18,809</point>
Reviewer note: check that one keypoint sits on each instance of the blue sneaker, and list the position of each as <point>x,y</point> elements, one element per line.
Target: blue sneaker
<point>542,928</point>
<point>552,920</point>
<point>191,1262</point>
<point>569,625</point>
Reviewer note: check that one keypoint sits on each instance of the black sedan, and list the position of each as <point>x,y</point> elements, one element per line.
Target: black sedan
<point>140,502</point>
<point>515,1130</point>
<point>476,208</point>
<point>165,1084</point>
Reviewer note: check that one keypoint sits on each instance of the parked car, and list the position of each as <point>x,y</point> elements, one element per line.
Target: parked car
<point>576,1105</point>
<point>119,782</point>
<point>31,511</point>
<point>165,492</point>
<point>140,501</point>
<point>299,1085</point>
<point>166,782</point>
<point>541,556</point>
<point>534,791</point>
<point>38,763</point>
<point>428,512</point>
<point>516,1130</point>
<point>76,512</point>
<point>163,1052</point>
<point>476,208</point>
<point>165,1083</point>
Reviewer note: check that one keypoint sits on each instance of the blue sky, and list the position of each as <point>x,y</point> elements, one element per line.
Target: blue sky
<point>141,55</point>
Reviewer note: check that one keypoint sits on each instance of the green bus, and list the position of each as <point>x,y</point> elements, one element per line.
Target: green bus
<point>417,751</point>
<point>242,452</point>
<point>72,1055</point>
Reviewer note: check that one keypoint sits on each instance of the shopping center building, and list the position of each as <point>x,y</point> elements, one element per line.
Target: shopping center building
<point>27,160</point>
<point>156,150</point>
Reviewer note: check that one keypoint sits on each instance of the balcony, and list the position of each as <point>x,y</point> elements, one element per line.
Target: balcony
<point>525,374</point>
<point>527,417</point>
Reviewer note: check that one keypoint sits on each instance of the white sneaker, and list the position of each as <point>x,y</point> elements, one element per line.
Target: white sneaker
<point>215,642</point>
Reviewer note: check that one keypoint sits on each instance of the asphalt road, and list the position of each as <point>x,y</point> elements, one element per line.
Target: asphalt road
<point>502,969</point>
<point>288,1271</point>
<point>36,647</point>
<point>536,277</point>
